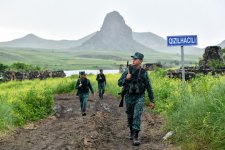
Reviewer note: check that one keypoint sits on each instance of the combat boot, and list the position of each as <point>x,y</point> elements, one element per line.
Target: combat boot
<point>131,137</point>
<point>136,141</point>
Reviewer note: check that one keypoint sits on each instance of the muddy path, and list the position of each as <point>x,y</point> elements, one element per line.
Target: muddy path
<point>104,128</point>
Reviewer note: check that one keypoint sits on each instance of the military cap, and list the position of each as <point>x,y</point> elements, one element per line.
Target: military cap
<point>138,55</point>
<point>82,73</point>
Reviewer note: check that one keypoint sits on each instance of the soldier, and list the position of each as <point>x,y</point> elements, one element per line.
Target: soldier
<point>101,83</point>
<point>135,80</point>
<point>83,85</point>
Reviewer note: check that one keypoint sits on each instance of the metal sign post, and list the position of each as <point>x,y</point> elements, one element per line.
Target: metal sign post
<point>183,40</point>
<point>182,63</point>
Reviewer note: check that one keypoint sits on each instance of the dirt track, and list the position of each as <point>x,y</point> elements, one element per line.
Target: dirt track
<point>104,128</point>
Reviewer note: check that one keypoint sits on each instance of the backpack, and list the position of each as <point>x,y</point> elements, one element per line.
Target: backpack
<point>136,84</point>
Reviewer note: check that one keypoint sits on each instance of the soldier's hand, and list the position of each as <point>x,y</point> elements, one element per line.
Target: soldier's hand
<point>128,77</point>
<point>152,105</point>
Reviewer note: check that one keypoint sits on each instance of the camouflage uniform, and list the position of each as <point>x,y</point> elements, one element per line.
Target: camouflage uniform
<point>101,84</point>
<point>134,81</point>
<point>135,101</point>
<point>83,92</point>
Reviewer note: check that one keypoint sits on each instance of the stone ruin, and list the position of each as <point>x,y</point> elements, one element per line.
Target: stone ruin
<point>18,76</point>
<point>211,53</point>
<point>151,66</point>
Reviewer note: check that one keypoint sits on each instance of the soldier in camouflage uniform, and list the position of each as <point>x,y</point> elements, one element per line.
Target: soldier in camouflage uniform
<point>83,85</point>
<point>101,83</point>
<point>136,80</point>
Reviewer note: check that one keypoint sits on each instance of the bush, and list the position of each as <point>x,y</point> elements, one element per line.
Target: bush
<point>216,64</point>
<point>18,66</point>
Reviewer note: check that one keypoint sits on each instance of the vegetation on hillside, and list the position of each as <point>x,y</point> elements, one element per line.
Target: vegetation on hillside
<point>196,115</point>
<point>75,60</point>
<point>18,66</point>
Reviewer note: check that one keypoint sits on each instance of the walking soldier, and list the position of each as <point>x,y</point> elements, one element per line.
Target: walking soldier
<point>83,85</point>
<point>135,80</point>
<point>101,83</point>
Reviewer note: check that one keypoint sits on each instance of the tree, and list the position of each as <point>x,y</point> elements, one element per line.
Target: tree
<point>19,66</point>
<point>3,67</point>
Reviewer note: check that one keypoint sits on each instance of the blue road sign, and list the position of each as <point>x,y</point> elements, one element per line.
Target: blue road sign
<point>183,40</point>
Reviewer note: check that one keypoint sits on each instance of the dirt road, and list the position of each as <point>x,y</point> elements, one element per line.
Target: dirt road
<point>104,128</point>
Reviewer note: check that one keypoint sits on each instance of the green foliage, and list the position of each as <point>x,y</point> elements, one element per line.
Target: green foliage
<point>196,114</point>
<point>223,50</point>
<point>215,64</point>
<point>6,114</point>
<point>33,105</point>
<point>199,118</point>
<point>24,67</point>
<point>25,101</point>
<point>160,72</point>
<point>200,62</point>
<point>3,67</point>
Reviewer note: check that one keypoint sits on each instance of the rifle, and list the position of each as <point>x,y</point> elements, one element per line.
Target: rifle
<point>123,92</point>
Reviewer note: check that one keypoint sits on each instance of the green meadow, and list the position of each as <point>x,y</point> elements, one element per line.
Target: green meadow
<point>75,60</point>
<point>196,114</point>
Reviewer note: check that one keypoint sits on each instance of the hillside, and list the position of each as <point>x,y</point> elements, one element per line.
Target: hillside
<point>222,44</point>
<point>33,41</point>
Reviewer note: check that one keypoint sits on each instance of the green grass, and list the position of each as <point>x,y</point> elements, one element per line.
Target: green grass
<point>25,101</point>
<point>196,115</point>
<point>75,60</point>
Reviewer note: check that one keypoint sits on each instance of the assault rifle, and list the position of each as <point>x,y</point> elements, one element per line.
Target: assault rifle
<point>123,92</point>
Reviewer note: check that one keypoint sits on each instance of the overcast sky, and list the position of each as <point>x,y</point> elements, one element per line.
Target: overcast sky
<point>74,19</point>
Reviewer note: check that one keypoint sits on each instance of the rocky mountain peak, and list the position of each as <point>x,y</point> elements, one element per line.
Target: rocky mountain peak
<point>114,26</point>
<point>113,35</point>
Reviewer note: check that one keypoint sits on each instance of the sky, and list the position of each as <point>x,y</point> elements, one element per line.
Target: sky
<point>74,19</point>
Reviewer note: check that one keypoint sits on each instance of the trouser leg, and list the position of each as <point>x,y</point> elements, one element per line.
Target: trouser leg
<point>134,109</point>
<point>129,111</point>
<point>81,102</point>
<point>84,101</point>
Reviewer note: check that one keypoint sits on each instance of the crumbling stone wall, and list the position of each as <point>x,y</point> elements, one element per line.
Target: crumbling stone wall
<point>16,75</point>
<point>212,53</point>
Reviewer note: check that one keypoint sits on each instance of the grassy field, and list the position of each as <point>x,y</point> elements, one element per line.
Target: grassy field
<point>196,115</point>
<point>74,60</point>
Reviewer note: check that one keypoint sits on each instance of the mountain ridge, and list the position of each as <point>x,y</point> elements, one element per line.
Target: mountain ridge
<point>114,35</point>
<point>33,41</point>
<point>222,44</point>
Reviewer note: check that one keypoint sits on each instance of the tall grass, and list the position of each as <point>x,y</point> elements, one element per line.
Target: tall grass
<point>196,115</point>
<point>25,101</point>
<point>199,119</point>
